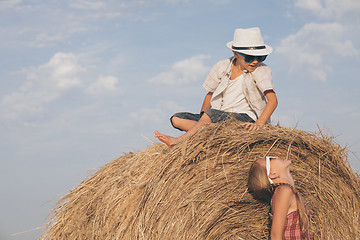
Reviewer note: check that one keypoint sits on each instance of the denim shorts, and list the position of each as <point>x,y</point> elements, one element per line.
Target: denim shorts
<point>215,116</point>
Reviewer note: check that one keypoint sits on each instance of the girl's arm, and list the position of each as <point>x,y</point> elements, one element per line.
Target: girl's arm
<point>280,207</point>
<point>206,103</point>
<point>268,111</point>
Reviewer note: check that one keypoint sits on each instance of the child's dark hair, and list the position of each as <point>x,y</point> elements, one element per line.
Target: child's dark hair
<point>260,187</point>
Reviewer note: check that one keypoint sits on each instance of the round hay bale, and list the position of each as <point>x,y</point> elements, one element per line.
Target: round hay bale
<point>198,190</point>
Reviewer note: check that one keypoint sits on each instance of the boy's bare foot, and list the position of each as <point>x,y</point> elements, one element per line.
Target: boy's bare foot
<point>168,140</point>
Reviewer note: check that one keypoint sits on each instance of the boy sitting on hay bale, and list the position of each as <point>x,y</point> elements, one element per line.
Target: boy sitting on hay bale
<point>239,87</point>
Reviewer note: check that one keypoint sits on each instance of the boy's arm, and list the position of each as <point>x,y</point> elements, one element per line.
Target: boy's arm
<point>269,109</point>
<point>206,103</point>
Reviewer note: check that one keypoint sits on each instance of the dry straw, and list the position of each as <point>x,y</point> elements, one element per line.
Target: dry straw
<point>198,190</point>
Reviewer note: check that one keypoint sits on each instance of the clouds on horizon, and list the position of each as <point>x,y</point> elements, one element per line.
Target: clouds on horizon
<point>48,82</point>
<point>318,46</point>
<point>313,45</point>
<point>329,8</point>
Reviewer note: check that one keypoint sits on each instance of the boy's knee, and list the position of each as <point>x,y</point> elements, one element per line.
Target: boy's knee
<point>175,121</point>
<point>205,118</point>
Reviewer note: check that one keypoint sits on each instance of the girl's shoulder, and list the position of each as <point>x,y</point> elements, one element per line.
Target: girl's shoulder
<point>283,192</point>
<point>283,189</point>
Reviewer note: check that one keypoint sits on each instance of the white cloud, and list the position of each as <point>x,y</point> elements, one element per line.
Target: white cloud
<point>61,71</point>
<point>185,71</point>
<point>103,85</point>
<point>311,48</point>
<point>330,8</point>
<point>43,84</point>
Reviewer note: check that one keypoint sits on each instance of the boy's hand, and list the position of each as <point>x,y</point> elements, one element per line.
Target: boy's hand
<point>252,126</point>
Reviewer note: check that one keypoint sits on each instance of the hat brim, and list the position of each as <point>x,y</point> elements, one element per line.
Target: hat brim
<point>258,52</point>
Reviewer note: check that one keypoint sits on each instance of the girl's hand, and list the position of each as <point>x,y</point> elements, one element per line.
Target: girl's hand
<point>253,126</point>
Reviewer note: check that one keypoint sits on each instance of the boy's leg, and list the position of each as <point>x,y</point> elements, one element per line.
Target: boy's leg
<point>184,120</point>
<point>243,117</point>
<point>172,141</point>
<point>183,124</point>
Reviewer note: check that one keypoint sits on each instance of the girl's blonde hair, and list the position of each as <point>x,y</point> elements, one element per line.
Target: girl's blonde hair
<point>260,187</point>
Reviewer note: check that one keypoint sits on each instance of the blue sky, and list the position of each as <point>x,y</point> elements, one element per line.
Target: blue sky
<point>83,81</point>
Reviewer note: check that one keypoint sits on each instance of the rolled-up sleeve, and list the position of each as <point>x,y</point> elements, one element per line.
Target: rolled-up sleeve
<point>263,78</point>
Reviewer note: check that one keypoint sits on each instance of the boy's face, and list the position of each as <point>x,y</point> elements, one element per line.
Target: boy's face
<point>245,65</point>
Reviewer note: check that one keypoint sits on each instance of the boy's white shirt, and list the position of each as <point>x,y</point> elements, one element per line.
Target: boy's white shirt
<point>233,98</point>
<point>254,85</point>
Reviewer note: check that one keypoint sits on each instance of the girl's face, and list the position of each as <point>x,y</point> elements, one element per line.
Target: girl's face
<point>278,169</point>
<point>247,66</point>
<point>279,164</point>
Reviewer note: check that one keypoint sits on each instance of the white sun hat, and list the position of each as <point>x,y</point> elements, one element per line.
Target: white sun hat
<point>249,41</point>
